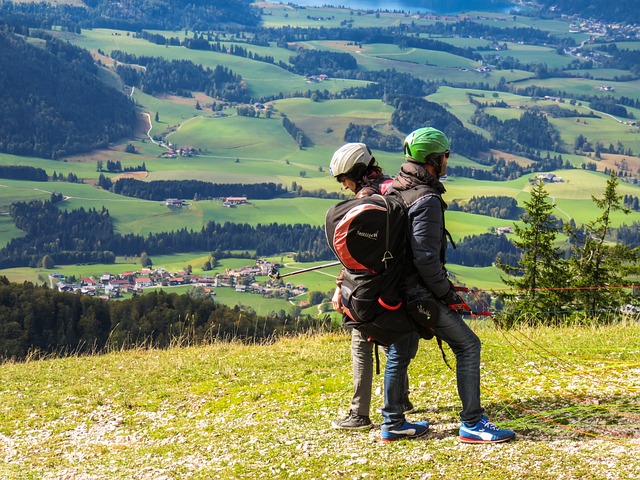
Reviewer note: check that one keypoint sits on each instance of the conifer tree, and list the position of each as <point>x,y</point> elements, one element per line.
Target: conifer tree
<point>598,266</point>
<point>538,280</point>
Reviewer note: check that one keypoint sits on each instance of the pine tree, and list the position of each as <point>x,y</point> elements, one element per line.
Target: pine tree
<point>598,265</point>
<point>538,280</point>
<point>145,261</point>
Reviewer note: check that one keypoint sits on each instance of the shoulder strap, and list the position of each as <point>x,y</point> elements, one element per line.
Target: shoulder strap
<point>387,253</point>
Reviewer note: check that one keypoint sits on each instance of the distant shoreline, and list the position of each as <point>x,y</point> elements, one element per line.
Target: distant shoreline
<point>410,6</point>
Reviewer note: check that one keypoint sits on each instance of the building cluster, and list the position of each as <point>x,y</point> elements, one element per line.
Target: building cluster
<point>233,201</point>
<point>317,78</point>
<point>242,279</point>
<point>549,178</point>
<point>173,152</point>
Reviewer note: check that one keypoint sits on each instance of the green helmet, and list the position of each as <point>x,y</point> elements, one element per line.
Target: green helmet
<point>422,142</point>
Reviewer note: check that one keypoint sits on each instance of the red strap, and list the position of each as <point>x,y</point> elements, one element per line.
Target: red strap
<point>389,307</point>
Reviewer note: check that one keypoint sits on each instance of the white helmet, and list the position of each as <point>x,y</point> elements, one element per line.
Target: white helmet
<point>351,158</point>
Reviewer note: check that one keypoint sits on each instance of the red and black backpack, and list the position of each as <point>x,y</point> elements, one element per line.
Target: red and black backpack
<point>369,237</point>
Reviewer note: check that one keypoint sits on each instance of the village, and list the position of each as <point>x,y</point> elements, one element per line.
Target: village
<point>244,279</point>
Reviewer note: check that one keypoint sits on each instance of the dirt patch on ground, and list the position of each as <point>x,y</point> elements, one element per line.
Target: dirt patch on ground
<point>104,59</point>
<point>136,175</point>
<point>619,163</point>
<point>508,157</point>
<point>92,157</point>
<point>199,97</point>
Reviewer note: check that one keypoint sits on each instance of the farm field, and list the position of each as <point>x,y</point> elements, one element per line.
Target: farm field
<point>264,79</point>
<point>243,150</point>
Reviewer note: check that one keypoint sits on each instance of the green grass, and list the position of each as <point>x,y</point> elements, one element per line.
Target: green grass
<point>228,410</point>
<point>418,56</point>
<point>602,73</point>
<point>263,79</point>
<point>8,230</point>
<point>531,54</point>
<point>280,15</point>
<point>582,86</point>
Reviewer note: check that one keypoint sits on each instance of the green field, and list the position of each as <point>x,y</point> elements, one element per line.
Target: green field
<point>263,79</point>
<point>604,129</point>
<point>583,86</point>
<point>417,56</point>
<point>533,54</point>
<point>606,74</point>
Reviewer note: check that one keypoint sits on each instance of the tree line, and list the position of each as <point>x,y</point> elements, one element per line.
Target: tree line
<point>495,206</point>
<point>151,14</point>
<point>296,133</point>
<point>160,190</point>
<point>23,172</point>
<point>37,319</point>
<point>482,250</point>
<point>83,236</point>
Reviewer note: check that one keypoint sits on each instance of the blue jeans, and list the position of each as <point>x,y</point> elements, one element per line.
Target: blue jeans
<point>465,344</point>
<point>452,329</point>
<point>395,378</point>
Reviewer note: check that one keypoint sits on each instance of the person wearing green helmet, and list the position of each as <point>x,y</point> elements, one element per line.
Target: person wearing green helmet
<point>419,186</point>
<point>354,166</point>
<point>429,146</point>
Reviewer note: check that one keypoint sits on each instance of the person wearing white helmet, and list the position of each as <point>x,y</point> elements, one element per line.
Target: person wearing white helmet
<point>355,167</point>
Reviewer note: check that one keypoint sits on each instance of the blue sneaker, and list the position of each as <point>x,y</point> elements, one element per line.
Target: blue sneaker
<point>484,432</point>
<point>407,430</point>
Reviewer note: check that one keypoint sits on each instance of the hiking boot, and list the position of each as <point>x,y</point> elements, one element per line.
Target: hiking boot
<point>353,422</point>
<point>408,408</point>
<point>484,432</point>
<point>407,430</point>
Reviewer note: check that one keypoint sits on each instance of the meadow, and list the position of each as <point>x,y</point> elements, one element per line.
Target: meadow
<point>231,410</point>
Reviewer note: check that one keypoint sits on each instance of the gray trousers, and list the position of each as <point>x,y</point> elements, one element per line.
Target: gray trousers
<point>362,363</point>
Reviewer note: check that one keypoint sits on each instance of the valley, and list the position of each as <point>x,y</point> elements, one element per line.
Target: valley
<point>502,76</point>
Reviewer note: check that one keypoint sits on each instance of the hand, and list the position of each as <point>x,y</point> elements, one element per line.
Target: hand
<point>451,298</point>
<point>336,300</point>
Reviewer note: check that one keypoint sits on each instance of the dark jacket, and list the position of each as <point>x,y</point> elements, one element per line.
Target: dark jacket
<point>421,193</point>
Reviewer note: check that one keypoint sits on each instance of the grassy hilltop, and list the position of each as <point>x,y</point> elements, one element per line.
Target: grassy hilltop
<point>234,411</point>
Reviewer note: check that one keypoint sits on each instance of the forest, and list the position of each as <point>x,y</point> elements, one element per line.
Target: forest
<point>154,14</point>
<point>624,10</point>
<point>160,190</point>
<point>497,207</point>
<point>180,77</point>
<point>39,320</point>
<point>56,83</point>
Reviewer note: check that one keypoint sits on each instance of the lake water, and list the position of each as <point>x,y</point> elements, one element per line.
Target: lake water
<point>433,6</point>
